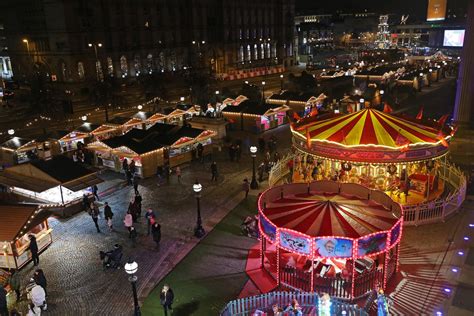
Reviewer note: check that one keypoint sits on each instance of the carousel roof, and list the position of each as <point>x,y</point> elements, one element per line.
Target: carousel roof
<point>369,127</point>
<point>328,214</point>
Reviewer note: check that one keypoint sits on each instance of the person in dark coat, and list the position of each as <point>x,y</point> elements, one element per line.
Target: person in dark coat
<point>156,233</point>
<point>40,279</point>
<point>125,165</point>
<point>129,177</point>
<point>138,203</point>
<point>34,250</point>
<point>132,167</point>
<point>132,209</point>
<point>85,202</point>
<point>95,216</point>
<point>95,191</point>
<point>136,181</point>
<point>108,211</point>
<point>238,152</point>
<point>14,281</point>
<point>133,235</point>
<point>3,302</point>
<point>214,171</point>
<point>166,298</point>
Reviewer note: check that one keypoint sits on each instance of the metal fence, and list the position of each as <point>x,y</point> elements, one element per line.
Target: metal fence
<point>308,301</point>
<point>414,214</point>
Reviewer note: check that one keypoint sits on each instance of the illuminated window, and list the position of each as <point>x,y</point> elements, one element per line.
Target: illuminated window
<point>137,65</point>
<point>98,68</point>
<point>124,66</point>
<point>241,54</point>
<point>110,67</point>
<point>249,53</point>
<point>274,50</point>
<point>267,54</point>
<point>149,63</point>
<point>255,52</point>
<point>262,51</point>
<point>80,70</point>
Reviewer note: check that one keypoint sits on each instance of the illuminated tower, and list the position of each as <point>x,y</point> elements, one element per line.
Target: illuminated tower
<point>383,34</point>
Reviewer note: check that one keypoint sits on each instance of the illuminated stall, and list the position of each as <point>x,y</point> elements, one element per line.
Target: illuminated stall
<point>338,238</point>
<point>380,150</point>
<point>124,124</point>
<point>70,141</point>
<point>48,145</point>
<point>254,117</point>
<point>17,222</point>
<point>58,182</point>
<point>300,103</point>
<point>17,150</point>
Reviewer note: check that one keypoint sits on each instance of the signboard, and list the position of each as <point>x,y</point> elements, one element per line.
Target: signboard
<point>453,38</point>
<point>371,244</point>
<point>267,228</point>
<point>436,10</point>
<point>395,234</point>
<point>333,248</point>
<point>294,242</point>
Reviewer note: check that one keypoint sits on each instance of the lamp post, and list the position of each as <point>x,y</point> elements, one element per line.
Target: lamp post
<point>11,131</point>
<point>362,101</point>
<point>131,267</point>
<point>199,231</point>
<point>95,45</point>
<point>382,92</point>
<point>263,91</point>
<point>253,154</point>
<point>84,118</point>
<point>281,82</point>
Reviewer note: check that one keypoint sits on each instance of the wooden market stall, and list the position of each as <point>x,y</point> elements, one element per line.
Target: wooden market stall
<point>58,182</point>
<point>254,117</point>
<point>48,144</point>
<point>301,103</point>
<point>71,140</point>
<point>17,150</point>
<point>124,124</point>
<point>17,222</point>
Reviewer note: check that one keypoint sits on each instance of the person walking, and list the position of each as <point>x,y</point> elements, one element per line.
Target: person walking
<point>246,187</point>
<point>214,171</point>
<point>95,215</point>
<point>3,302</point>
<point>40,279</point>
<point>238,152</point>
<point>156,233</point>
<point>14,281</point>
<point>200,150</point>
<point>178,173</point>
<point>95,191</point>
<point>125,165</point>
<point>166,298</point>
<point>34,249</point>
<point>131,167</point>
<point>138,204</point>
<point>129,177</point>
<point>128,222</point>
<point>85,202</point>
<point>136,181</point>
<point>108,215</point>
<point>150,219</point>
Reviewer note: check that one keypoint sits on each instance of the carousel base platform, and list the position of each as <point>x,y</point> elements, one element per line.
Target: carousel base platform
<point>260,278</point>
<point>415,197</point>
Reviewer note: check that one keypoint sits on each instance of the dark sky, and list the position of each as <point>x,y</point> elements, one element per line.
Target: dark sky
<point>412,7</point>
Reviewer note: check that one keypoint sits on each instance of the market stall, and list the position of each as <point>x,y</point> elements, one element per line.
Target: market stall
<point>182,144</point>
<point>324,236</point>
<point>374,148</point>
<point>48,144</point>
<point>58,182</point>
<point>17,222</point>
<point>124,124</point>
<point>71,140</point>
<point>300,103</point>
<point>17,150</point>
<point>254,117</point>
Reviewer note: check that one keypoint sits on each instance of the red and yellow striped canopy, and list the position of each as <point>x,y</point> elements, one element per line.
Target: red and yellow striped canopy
<point>369,127</point>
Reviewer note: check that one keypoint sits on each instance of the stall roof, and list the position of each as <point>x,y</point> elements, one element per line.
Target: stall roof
<point>142,115</point>
<point>15,143</point>
<point>87,127</point>
<point>252,107</point>
<point>54,135</point>
<point>14,218</point>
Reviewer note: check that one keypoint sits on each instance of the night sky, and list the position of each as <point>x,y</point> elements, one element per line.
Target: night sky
<point>416,8</point>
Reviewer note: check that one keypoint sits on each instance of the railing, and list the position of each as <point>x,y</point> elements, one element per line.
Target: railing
<point>414,214</point>
<point>308,302</point>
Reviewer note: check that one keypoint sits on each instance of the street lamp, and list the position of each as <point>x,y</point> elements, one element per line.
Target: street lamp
<point>253,154</point>
<point>246,82</point>
<point>281,82</point>
<point>131,267</point>
<point>199,231</point>
<point>263,90</point>
<point>181,99</point>
<point>140,107</point>
<point>95,45</point>
<point>84,118</point>
<point>11,131</point>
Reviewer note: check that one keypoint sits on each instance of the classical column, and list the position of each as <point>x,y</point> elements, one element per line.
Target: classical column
<point>464,106</point>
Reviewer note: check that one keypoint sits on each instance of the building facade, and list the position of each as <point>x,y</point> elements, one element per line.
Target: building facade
<point>80,40</point>
<point>5,64</point>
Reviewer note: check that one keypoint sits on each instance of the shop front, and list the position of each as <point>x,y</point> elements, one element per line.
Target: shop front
<point>17,150</point>
<point>17,223</point>
<point>72,141</point>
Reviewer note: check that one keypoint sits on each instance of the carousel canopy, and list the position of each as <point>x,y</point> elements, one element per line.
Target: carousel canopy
<point>328,214</point>
<point>370,127</point>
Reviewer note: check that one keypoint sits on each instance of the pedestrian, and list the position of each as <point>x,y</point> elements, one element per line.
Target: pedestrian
<point>156,233</point>
<point>108,215</point>
<point>261,145</point>
<point>74,157</point>
<point>33,310</point>
<point>150,218</point>
<point>231,152</point>
<point>95,191</point>
<point>136,181</point>
<point>14,282</point>
<point>129,177</point>
<point>85,202</point>
<point>40,279</point>
<point>94,212</point>
<point>246,187</point>
<point>34,249</point>
<point>128,222</point>
<point>125,165</point>
<point>132,210</point>
<point>238,152</point>
<point>178,173</point>
<point>133,236</point>
<point>3,302</point>
<point>200,150</point>
<point>159,174</point>
<point>166,298</point>
<point>261,170</point>
<point>37,295</point>
<point>138,203</point>
<point>167,173</point>
<point>214,171</point>
<point>131,167</point>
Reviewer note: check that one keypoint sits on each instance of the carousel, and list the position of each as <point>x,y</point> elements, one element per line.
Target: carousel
<point>324,236</point>
<point>380,150</point>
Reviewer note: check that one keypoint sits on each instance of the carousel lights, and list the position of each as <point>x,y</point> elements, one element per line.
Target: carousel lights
<point>447,290</point>
<point>461,253</point>
<point>466,238</point>
<point>455,270</point>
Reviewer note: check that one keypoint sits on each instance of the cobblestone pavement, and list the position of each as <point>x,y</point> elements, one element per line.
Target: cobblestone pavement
<point>77,285</point>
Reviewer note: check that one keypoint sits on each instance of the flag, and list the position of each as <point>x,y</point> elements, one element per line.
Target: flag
<point>296,116</point>
<point>314,111</point>
<point>387,108</point>
<point>442,119</point>
<point>419,116</point>
<point>441,138</point>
